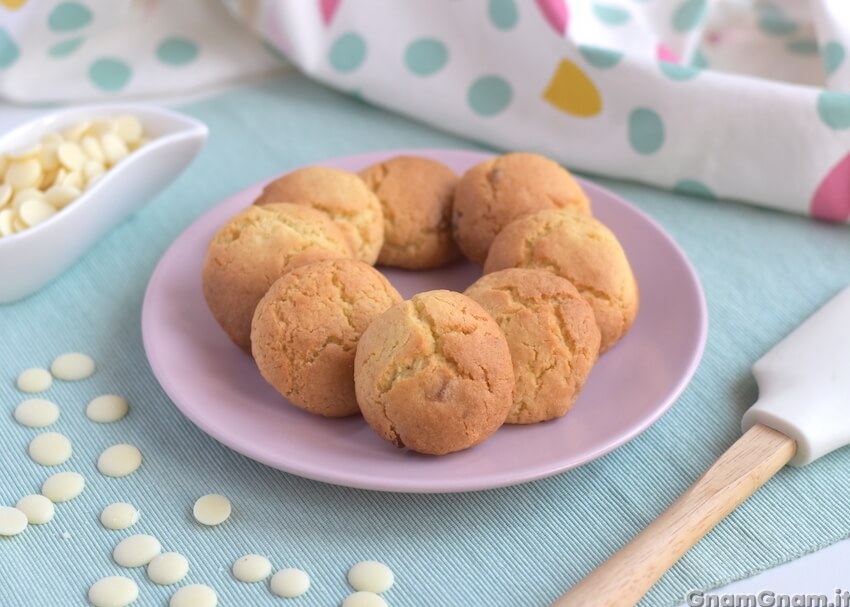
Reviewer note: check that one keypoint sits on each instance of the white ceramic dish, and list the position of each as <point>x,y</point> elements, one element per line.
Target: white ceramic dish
<point>32,258</point>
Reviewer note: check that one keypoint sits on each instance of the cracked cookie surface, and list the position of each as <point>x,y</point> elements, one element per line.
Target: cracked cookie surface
<point>434,373</point>
<point>552,336</point>
<point>306,328</point>
<point>254,249</point>
<point>582,250</point>
<point>495,192</point>
<point>416,197</point>
<point>343,196</point>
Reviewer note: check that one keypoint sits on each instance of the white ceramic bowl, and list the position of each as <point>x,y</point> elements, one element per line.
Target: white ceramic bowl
<point>32,258</point>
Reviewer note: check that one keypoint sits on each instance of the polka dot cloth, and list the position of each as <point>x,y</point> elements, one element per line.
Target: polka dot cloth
<point>627,88</point>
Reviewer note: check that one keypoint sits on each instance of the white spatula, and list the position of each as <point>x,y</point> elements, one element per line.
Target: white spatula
<point>803,413</point>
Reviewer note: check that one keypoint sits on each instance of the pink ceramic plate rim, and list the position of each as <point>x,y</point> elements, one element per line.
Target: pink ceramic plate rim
<point>181,392</point>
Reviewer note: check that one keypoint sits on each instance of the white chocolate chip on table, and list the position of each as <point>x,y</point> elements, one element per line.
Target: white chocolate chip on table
<point>44,177</point>
<point>120,515</point>
<point>107,408</point>
<point>36,413</point>
<point>50,449</point>
<point>168,568</point>
<point>119,460</point>
<point>251,568</point>
<point>63,486</point>
<point>113,591</point>
<point>362,598</point>
<point>34,380</point>
<point>371,576</point>
<point>136,550</point>
<point>12,521</point>
<point>37,508</point>
<point>212,509</point>
<point>194,595</point>
<point>290,583</point>
<point>72,366</point>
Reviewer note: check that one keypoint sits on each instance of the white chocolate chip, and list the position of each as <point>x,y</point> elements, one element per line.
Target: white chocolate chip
<point>194,595</point>
<point>12,521</point>
<point>71,155</point>
<point>75,179</point>
<point>92,148</point>
<point>168,568</point>
<point>251,568</point>
<point>93,169</point>
<point>72,366</point>
<point>34,380</point>
<point>113,591</point>
<point>50,449</point>
<point>63,486</point>
<point>120,515</point>
<point>114,148</point>
<point>60,195</point>
<point>107,408</point>
<point>128,128</point>
<point>7,216</point>
<point>36,413</point>
<point>35,211</point>
<point>371,576</point>
<point>23,173</point>
<point>290,583</point>
<point>24,153</point>
<point>119,460</point>
<point>37,508</point>
<point>364,599</point>
<point>76,131</point>
<point>5,194</point>
<point>27,194</point>
<point>212,509</point>
<point>136,550</point>
<point>48,156</point>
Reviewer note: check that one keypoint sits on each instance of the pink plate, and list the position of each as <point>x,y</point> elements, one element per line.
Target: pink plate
<point>217,386</point>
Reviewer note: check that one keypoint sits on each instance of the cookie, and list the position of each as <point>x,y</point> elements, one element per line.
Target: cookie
<point>305,331</point>
<point>343,197</point>
<point>416,197</point>
<point>552,336</point>
<point>494,193</point>
<point>582,250</point>
<point>434,374</point>
<point>254,249</point>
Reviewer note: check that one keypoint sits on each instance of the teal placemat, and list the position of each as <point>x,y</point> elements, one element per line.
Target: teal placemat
<point>763,273</point>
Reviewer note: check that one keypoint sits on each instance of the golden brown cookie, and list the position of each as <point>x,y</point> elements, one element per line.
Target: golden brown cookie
<point>254,249</point>
<point>345,199</point>
<point>492,194</point>
<point>306,328</point>
<point>552,335</point>
<point>580,249</point>
<point>434,373</point>
<point>416,197</point>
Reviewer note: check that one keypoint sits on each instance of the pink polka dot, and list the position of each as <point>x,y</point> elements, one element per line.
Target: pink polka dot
<point>557,14</point>
<point>665,54</point>
<point>328,9</point>
<point>832,198</point>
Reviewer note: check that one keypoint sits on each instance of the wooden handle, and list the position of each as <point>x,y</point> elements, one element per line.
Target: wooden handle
<point>624,578</point>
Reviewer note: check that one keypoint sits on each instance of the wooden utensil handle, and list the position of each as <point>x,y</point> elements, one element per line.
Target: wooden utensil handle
<point>624,578</point>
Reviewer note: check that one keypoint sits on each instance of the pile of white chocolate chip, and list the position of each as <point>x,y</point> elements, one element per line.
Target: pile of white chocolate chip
<point>38,181</point>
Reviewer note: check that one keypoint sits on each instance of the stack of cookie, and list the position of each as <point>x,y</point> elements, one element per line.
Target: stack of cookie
<point>291,280</point>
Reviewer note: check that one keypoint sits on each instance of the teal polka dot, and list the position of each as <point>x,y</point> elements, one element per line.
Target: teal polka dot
<point>69,16</point>
<point>65,48</point>
<point>348,52</point>
<point>489,95</point>
<point>834,109</point>
<point>110,74</point>
<point>646,131</point>
<point>773,22</point>
<point>674,71</point>
<point>602,58</point>
<point>803,47</point>
<point>833,57</point>
<point>699,60</point>
<point>9,52</point>
<point>176,51</point>
<point>610,14</point>
<point>689,15</point>
<point>426,56</point>
<point>693,187</point>
<point>503,13</point>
